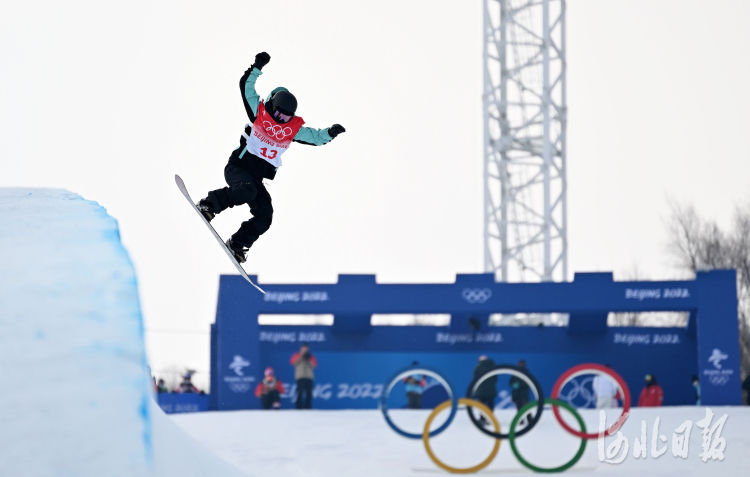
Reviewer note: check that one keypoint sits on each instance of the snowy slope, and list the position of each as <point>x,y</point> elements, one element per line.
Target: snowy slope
<point>359,443</point>
<point>76,396</point>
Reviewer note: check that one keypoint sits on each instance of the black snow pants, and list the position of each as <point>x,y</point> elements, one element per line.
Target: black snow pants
<point>269,399</point>
<point>487,400</point>
<point>414,400</point>
<point>245,187</point>
<point>304,393</point>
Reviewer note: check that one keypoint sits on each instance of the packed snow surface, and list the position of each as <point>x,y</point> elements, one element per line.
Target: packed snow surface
<point>76,397</point>
<point>359,443</point>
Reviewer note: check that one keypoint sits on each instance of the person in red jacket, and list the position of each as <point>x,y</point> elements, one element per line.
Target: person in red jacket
<point>270,390</point>
<point>652,394</point>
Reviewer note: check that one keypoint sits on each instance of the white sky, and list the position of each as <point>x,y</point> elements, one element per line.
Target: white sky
<point>111,99</point>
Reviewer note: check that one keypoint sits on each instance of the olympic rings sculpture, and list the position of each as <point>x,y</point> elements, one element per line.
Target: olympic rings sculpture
<point>469,403</point>
<point>512,437</point>
<point>403,374</point>
<point>513,433</point>
<point>583,369</point>
<point>518,372</point>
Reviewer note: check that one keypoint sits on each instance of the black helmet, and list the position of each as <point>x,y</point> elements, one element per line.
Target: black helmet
<point>284,102</point>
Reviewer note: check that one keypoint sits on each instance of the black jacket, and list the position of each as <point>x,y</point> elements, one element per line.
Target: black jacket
<point>488,387</point>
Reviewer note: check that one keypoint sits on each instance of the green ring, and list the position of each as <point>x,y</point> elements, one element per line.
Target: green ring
<point>529,465</point>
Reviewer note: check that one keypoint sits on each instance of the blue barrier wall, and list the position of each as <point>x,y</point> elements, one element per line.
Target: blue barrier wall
<point>355,358</point>
<point>176,403</point>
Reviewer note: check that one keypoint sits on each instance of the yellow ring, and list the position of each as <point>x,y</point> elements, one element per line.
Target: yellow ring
<point>458,470</point>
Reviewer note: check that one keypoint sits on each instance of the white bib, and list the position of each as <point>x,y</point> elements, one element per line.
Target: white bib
<point>269,139</point>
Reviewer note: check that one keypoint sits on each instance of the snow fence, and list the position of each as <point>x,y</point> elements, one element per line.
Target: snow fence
<point>76,396</point>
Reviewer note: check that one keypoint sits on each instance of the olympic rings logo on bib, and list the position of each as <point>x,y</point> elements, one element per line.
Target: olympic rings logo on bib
<point>537,404</point>
<point>276,131</point>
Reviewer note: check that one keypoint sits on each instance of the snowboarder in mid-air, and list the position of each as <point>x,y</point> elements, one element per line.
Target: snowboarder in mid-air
<point>273,128</point>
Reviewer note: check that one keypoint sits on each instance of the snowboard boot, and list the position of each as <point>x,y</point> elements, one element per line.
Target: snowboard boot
<point>205,207</point>
<point>237,250</point>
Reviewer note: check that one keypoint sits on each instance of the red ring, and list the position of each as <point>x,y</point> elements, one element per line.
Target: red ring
<point>596,367</point>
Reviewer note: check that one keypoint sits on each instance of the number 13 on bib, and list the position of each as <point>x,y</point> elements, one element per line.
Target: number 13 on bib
<point>269,139</point>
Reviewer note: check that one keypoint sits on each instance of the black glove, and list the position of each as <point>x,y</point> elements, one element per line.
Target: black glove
<point>306,356</point>
<point>335,130</point>
<point>261,60</point>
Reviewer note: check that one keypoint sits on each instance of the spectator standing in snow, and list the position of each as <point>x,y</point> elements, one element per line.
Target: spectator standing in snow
<point>414,387</point>
<point>520,391</point>
<point>304,373</point>
<point>652,394</point>
<point>269,390</point>
<point>487,390</point>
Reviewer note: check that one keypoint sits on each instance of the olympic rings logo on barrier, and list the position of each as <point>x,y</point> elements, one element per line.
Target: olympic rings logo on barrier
<point>476,295</point>
<point>719,380</point>
<point>522,374</point>
<point>580,393</point>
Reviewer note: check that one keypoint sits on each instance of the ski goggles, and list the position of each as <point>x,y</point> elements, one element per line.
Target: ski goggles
<point>281,117</point>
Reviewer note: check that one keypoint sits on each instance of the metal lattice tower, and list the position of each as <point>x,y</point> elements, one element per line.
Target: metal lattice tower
<point>525,122</point>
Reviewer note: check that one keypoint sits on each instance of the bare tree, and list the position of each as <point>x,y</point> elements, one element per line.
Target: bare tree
<point>699,244</point>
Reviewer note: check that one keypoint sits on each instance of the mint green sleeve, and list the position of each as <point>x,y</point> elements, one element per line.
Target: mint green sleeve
<point>250,96</point>
<point>313,137</point>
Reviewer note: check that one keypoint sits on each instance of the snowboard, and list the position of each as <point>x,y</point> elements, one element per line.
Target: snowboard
<point>183,189</point>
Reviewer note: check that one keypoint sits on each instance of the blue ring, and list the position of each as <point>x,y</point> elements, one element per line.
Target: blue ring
<point>417,370</point>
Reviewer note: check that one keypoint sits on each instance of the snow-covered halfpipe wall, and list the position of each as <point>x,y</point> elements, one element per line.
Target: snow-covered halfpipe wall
<point>76,397</point>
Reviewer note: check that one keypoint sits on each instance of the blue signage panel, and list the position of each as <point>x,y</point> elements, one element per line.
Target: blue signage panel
<point>237,359</point>
<point>176,403</point>
<point>351,373</point>
<point>355,357</point>
<point>718,339</point>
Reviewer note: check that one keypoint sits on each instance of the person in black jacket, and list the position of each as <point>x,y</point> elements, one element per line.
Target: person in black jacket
<point>487,390</point>
<point>274,126</point>
<point>520,392</point>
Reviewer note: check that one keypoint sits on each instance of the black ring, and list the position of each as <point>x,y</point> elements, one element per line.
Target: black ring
<point>515,370</point>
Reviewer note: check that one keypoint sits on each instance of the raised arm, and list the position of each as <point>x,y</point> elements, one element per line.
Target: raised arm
<point>318,137</point>
<point>250,97</point>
